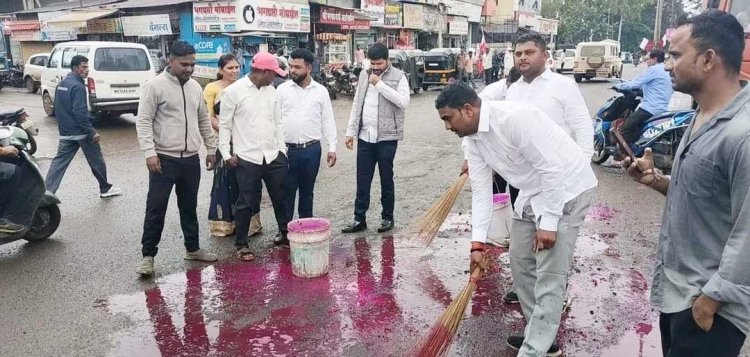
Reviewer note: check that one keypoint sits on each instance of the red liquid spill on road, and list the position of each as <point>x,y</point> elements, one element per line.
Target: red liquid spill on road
<point>601,213</point>
<point>378,300</point>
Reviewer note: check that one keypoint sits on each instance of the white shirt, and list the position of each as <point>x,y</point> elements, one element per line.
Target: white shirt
<point>369,130</point>
<point>487,60</point>
<point>307,113</point>
<point>250,118</point>
<point>560,98</point>
<point>520,143</point>
<point>495,91</point>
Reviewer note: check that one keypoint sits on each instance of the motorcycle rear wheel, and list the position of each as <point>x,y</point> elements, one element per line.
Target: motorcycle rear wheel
<point>44,224</point>
<point>601,155</point>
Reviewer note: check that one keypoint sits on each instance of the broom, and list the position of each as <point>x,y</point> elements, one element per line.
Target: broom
<point>441,335</point>
<point>429,223</point>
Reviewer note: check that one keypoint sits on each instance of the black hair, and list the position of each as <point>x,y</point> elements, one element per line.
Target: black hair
<point>77,60</point>
<point>181,48</point>
<point>720,31</point>
<point>514,75</point>
<point>225,60</point>
<point>303,54</point>
<point>377,51</point>
<point>538,40</point>
<point>456,96</point>
<point>280,52</point>
<point>657,53</point>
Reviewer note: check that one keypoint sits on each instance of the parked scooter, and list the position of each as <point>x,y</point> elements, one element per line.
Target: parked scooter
<point>15,78</point>
<point>662,133</point>
<point>346,80</point>
<point>19,119</point>
<point>47,215</point>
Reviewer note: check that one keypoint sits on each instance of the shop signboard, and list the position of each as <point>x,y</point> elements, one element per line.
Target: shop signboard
<point>146,25</point>
<point>202,71</point>
<point>210,49</point>
<point>392,17</point>
<point>215,17</point>
<point>375,9</point>
<point>474,12</point>
<point>272,16</point>
<point>458,26</point>
<point>528,6</point>
<point>549,26</point>
<point>413,16</point>
<point>52,32</point>
<point>432,20</point>
<point>456,7</point>
<point>342,17</point>
<point>104,26</point>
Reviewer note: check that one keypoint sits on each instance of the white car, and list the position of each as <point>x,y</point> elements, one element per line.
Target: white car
<point>32,71</point>
<point>565,60</point>
<point>551,63</point>
<point>117,73</point>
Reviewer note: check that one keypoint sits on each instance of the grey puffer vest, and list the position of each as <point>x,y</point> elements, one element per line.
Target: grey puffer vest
<point>390,117</point>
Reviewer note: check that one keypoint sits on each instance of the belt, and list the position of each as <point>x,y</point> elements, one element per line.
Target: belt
<point>303,145</point>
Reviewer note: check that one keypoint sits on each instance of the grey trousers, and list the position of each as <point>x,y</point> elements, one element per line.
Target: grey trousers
<point>540,279</point>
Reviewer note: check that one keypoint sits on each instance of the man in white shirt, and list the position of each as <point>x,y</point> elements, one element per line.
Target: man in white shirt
<point>377,120</point>
<point>557,186</point>
<point>251,136</point>
<point>556,95</point>
<point>488,66</point>
<point>307,114</point>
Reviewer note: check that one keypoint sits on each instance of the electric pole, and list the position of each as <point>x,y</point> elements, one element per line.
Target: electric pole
<point>657,22</point>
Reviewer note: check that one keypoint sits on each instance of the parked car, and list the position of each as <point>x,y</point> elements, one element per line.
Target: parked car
<point>565,60</point>
<point>32,71</point>
<point>626,57</point>
<point>117,73</point>
<point>597,59</point>
<point>551,61</point>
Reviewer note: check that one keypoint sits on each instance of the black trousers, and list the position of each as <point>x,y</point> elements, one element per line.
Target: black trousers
<point>248,177</point>
<point>498,186</point>
<point>631,128</point>
<point>488,76</point>
<point>304,164</point>
<point>369,155</point>
<point>681,336</point>
<point>185,175</point>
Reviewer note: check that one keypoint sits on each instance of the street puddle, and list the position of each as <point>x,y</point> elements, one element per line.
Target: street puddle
<point>379,299</point>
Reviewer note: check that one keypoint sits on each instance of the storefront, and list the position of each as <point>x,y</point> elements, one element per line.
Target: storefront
<point>414,22</point>
<point>390,33</point>
<point>458,30</point>
<point>334,32</point>
<point>433,21</point>
<point>25,39</point>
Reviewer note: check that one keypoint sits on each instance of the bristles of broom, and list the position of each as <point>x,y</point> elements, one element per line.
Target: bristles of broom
<point>441,335</point>
<point>429,223</point>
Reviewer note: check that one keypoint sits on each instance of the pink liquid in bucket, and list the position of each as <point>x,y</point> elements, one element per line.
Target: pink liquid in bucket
<point>500,199</point>
<point>309,225</point>
<point>309,243</point>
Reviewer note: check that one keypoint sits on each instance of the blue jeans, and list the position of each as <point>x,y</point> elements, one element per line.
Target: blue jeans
<point>368,155</point>
<point>304,164</point>
<point>66,151</point>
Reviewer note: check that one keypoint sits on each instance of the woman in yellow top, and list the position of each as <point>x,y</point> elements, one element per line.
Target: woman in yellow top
<point>224,190</point>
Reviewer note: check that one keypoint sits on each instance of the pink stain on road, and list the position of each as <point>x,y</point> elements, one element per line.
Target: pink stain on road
<point>601,213</point>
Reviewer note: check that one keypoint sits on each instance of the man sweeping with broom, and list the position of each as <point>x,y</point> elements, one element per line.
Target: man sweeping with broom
<point>557,185</point>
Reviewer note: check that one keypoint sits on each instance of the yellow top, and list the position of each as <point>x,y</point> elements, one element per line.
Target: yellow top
<point>211,94</point>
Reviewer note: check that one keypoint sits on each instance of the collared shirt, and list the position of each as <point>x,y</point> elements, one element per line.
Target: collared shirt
<point>560,98</point>
<point>520,143</point>
<point>250,118</point>
<point>657,89</point>
<point>495,91</point>
<point>487,60</point>
<point>307,113</point>
<point>369,129</point>
<point>705,232</point>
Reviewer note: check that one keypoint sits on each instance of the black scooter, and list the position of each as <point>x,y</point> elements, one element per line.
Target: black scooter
<point>47,215</point>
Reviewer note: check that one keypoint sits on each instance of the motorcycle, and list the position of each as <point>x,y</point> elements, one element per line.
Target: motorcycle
<point>346,80</point>
<point>47,216</point>
<point>662,133</point>
<point>18,118</point>
<point>15,78</point>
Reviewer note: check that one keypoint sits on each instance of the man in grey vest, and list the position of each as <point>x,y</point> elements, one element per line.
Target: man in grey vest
<point>377,120</point>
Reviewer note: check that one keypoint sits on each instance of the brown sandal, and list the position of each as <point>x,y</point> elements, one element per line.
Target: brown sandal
<point>245,254</point>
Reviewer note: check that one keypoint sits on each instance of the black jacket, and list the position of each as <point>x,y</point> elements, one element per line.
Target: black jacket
<point>71,107</point>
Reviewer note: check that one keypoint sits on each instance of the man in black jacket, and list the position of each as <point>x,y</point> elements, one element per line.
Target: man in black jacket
<point>76,131</point>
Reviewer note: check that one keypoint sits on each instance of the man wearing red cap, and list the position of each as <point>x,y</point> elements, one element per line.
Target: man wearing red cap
<point>258,149</point>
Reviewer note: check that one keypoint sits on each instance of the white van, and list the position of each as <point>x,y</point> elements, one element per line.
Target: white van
<point>117,73</point>
<point>565,60</point>
<point>597,59</point>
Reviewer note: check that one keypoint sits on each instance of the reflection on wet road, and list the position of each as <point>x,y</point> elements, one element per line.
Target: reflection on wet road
<point>380,297</point>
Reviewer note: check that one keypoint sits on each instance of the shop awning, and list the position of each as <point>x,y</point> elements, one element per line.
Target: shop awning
<point>80,16</point>
<point>25,25</point>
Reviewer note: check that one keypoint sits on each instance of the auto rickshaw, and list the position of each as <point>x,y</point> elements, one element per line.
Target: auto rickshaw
<point>417,57</point>
<point>439,67</point>
<point>408,64</point>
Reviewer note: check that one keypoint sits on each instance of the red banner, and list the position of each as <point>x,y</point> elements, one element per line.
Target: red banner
<point>345,18</point>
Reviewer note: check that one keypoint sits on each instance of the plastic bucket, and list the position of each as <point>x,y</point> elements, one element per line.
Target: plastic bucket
<point>309,243</point>
<point>502,217</point>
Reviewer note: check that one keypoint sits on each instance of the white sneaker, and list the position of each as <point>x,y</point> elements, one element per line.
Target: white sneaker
<point>113,191</point>
<point>201,255</point>
<point>146,266</point>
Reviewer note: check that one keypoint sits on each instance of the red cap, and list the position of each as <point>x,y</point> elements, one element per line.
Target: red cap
<point>268,62</point>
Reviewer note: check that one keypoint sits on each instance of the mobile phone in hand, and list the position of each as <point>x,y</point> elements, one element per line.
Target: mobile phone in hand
<point>621,141</point>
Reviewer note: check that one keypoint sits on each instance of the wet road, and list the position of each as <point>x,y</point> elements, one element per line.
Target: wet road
<point>77,294</point>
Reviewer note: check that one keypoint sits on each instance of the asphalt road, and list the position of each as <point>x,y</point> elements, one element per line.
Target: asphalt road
<point>77,294</point>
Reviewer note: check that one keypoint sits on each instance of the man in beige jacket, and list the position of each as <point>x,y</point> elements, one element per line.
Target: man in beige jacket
<point>172,121</point>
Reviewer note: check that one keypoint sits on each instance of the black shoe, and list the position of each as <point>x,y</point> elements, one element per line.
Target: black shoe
<point>385,226</point>
<point>511,297</point>
<point>515,342</point>
<point>281,241</point>
<point>355,227</point>
<point>8,227</point>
